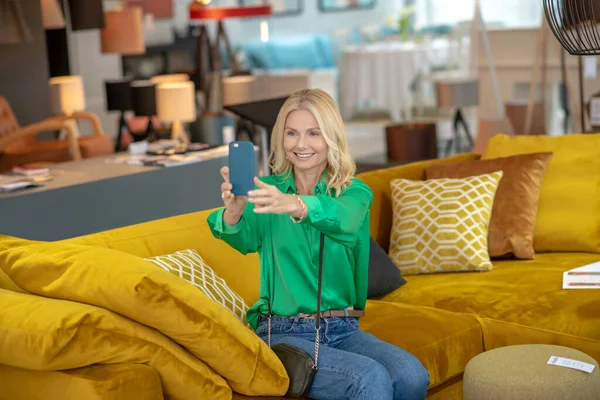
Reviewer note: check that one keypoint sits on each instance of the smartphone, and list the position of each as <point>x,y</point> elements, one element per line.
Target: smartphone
<point>241,167</point>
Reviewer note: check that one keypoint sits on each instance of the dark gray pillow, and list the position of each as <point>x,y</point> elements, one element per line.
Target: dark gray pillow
<point>384,276</point>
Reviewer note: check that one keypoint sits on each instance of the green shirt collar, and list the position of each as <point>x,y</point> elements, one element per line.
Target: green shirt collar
<point>288,185</point>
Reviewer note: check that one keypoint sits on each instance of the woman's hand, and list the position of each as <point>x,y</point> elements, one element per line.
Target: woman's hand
<point>269,199</point>
<point>234,205</point>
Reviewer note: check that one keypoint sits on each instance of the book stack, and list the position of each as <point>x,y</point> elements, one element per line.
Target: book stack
<point>31,171</point>
<point>24,177</point>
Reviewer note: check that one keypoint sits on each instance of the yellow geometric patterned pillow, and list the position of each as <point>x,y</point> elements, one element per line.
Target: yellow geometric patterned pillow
<point>441,225</point>
<point>190,266</point>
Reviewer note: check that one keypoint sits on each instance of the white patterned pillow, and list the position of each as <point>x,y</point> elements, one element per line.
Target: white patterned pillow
<point>441,225</point>
<point>190,266</point>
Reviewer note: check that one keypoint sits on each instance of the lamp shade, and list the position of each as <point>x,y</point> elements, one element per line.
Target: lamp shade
<point>143,98</point>
<point>118,95</point>
<point>168,78</point>
<point>176,101</point>
<point>457,93</point>
<point>66,94</point>
<point>88,14</point>
<point>52,16</point>
<point>13,28</point>
<point>575,24</point>
<point>240,89</point>
<point>124,32</point>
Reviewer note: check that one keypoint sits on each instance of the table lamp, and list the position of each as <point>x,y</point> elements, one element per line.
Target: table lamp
<point>67,97</point>
<point>124,31</point>
<point>143,101</point>
<point>175,102</point>
<point>240,89</point>
<point>168,78</point>
<point>52,16</point>
<point>118,98</point>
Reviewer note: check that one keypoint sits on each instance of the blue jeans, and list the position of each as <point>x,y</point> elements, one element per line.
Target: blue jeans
<point>352,364</point>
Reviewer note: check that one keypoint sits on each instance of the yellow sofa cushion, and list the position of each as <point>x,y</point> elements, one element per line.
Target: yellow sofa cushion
<point>49,334</point>
<point>441,225</point>
<point>139,290</point>
<point>568,217</point>
<point>189,266</point>
<point>379,182</point>
<point>96,382</point>
<point>443,341</point>
<point>519,301</point>
<point>187,231</point>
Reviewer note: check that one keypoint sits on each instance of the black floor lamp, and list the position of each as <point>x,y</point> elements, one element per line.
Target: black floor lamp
<point>574,23</point>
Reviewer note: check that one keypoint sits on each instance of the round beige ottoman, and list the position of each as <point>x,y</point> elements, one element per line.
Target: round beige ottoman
<point>522,373</point>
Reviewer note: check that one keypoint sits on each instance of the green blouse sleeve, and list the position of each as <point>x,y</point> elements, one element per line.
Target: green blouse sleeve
<point>361,274</point>
<point>245,236</point>
<point>340,217</point>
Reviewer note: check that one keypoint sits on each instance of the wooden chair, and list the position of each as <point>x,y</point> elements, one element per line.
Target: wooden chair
<point>18,145</point>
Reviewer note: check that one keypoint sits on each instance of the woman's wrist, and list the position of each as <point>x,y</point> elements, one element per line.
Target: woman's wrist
<point>231,218</point>
<point>300,210</point>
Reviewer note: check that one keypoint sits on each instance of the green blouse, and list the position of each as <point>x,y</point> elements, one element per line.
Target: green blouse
<point>289,252</point>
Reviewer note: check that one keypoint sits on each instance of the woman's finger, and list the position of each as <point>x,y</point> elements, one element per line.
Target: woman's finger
<point>225,173</point>
<point>226,186</point>
<point>259,193</point>
<point>260,200</point>
<point>261,184</point>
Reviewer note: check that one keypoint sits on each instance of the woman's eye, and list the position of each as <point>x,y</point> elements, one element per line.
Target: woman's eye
<point>314,133</point>
<point>290,133</point>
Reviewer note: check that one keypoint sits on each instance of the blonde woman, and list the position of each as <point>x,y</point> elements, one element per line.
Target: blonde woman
<point>313,191</point>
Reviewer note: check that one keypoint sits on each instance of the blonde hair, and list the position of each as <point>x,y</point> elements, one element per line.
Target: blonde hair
<point>340,165</point>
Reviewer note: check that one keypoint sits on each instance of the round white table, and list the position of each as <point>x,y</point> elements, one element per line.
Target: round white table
<point>382,73</point>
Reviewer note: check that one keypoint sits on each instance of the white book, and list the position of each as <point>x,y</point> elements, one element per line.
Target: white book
<point>586,277</point>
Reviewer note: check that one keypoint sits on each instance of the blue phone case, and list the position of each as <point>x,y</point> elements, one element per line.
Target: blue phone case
<point>241,167</point>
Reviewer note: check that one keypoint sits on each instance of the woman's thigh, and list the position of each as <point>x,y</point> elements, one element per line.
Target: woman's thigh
<point>409,378</point>
<point>341,374</point>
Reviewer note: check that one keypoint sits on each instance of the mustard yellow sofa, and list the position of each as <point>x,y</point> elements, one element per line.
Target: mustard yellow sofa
<point>520,301</point>
<point>444,319</point>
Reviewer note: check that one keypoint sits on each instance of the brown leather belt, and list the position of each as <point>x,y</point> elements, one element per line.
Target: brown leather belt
<point>335,313</point>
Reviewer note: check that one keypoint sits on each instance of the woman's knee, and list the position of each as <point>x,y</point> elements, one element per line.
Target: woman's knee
<point>410,382</point>
<point>374,382</point>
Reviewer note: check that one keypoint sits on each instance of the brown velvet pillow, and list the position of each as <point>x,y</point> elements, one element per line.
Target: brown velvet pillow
<point>515,205</point>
